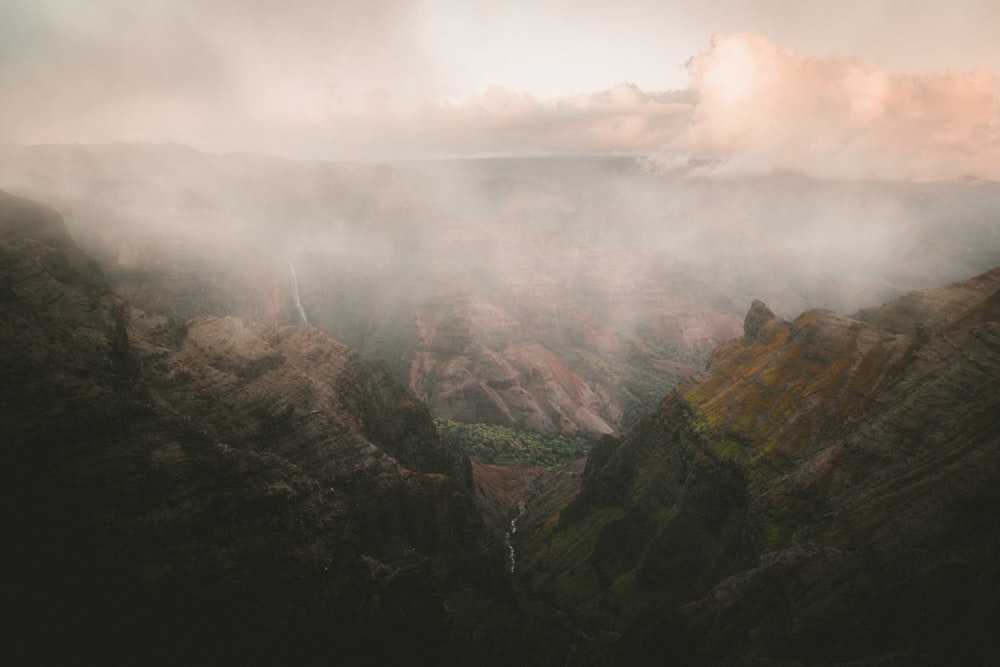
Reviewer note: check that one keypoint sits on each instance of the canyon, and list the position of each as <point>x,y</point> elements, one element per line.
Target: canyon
<point>217,489</point>
<point>553,294</point>
<point>222,374</point>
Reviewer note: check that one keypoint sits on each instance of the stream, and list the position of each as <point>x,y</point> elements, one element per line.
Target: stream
<point>509,535</point>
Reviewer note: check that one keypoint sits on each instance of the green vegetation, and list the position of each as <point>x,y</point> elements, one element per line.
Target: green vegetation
<point>563,570</point>
<point>500,444</point>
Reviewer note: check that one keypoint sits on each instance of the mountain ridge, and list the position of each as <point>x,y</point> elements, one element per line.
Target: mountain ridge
<point>825,492</point>
<point>214,489</point>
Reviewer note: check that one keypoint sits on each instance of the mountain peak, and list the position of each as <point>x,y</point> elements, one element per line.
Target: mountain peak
<point>756,321</point>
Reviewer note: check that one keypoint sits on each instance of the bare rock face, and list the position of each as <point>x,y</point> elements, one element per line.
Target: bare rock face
<point>756,320</point>
<point>825,493</point>
<point>476,363</point>
<point>218,490</point>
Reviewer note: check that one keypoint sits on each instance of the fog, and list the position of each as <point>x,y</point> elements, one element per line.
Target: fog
<point>539,214</point>
<point>559,293</point>
<point>889,89</point>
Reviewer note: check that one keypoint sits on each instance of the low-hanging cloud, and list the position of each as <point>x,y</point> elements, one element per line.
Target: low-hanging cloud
<point>220,74</point>
<point>623,119</point>
<point>306,78</point>
<point>760,107</point>
<point>352,79</point>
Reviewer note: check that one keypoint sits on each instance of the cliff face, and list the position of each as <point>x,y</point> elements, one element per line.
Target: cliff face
<point>826,492</point>
<point>218,490</point>
<point>477,363</point>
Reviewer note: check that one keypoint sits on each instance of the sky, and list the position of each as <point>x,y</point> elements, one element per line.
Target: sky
<point>842,88</point>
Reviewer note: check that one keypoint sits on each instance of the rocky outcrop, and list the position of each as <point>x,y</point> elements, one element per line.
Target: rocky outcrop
<point>824,493</point>
<point>218,490</point>
<point>756,321</point>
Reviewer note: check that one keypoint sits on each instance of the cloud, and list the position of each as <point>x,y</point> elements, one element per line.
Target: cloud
<point>357,79</point>
<point>213,72</point>
<point>621,119</point>
<point>305,78</point>
<point>760,107</point>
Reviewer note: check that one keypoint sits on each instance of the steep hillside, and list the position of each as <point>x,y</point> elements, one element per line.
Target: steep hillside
<point>561,294</point>
<point>827,492</point>
<point>220,491</point>
<point>470,284</point>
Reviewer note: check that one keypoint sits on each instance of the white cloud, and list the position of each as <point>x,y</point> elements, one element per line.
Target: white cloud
<point>358,79</point>
<point>760,107</point>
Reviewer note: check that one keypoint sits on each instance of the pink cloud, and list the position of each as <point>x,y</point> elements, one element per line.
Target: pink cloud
<point>623,119</point>
<point>760,107</point>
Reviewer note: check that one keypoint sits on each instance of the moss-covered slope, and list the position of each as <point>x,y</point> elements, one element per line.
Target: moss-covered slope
<point>827,491</point>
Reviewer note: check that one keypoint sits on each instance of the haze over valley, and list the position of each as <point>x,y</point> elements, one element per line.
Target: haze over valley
<point>531,333</point>
<point>554,294</point>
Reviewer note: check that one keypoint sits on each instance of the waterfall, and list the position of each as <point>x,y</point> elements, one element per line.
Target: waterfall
<point>508,537</point>
<point>295,293</point>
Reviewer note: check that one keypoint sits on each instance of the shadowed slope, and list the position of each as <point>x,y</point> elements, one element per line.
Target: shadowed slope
<point>218,491</point>
<point>826,492</point>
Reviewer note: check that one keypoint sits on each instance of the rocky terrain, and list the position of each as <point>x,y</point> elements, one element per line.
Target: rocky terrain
<point>197,473</point>
<point>219,490</point>
<point>490,308</point>
<point>826,493</point>
<point>552,294</point>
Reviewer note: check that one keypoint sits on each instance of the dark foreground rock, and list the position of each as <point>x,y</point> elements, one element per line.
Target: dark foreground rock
<point>221,492</point>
